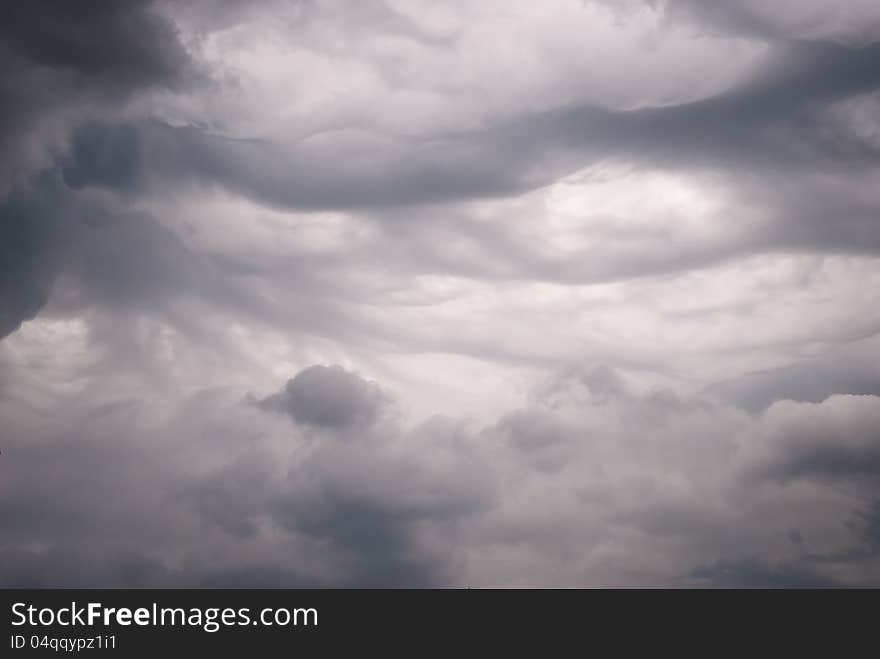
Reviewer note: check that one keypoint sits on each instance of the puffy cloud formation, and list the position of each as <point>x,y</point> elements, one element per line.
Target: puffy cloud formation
<point>322,292</point>
<point>590,484</point>
<point>329,397</point>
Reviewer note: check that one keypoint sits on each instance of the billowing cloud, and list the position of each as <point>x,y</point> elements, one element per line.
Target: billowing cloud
<point>329,397</point>
<point>63,65</point>
<point>591,484</point>
<point>501,293</point>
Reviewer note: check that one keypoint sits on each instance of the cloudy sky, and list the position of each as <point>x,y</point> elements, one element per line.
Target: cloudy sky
<point>405,293</point>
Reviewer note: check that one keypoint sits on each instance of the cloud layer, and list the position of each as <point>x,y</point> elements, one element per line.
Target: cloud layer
<point>392,294</point>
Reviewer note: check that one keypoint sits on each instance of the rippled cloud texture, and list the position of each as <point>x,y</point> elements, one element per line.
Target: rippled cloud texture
<point>403,293</point>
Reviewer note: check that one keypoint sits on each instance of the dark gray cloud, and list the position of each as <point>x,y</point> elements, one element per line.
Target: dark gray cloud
<point>843,371</point>
<point>856,22</point>
<point>29,245</point>
<point>328,396</point>
<point>62,62</point>
<point>623,316</point>
<point>91,254</point>
<point>800,446</point>
<point>108,43</point>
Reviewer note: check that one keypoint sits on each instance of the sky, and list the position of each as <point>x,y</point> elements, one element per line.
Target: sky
<point>326,293</point>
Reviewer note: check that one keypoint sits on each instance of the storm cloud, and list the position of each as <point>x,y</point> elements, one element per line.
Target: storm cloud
<point>331,293</point>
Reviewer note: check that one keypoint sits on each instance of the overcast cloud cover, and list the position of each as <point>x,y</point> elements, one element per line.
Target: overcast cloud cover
<point>406,293</point>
